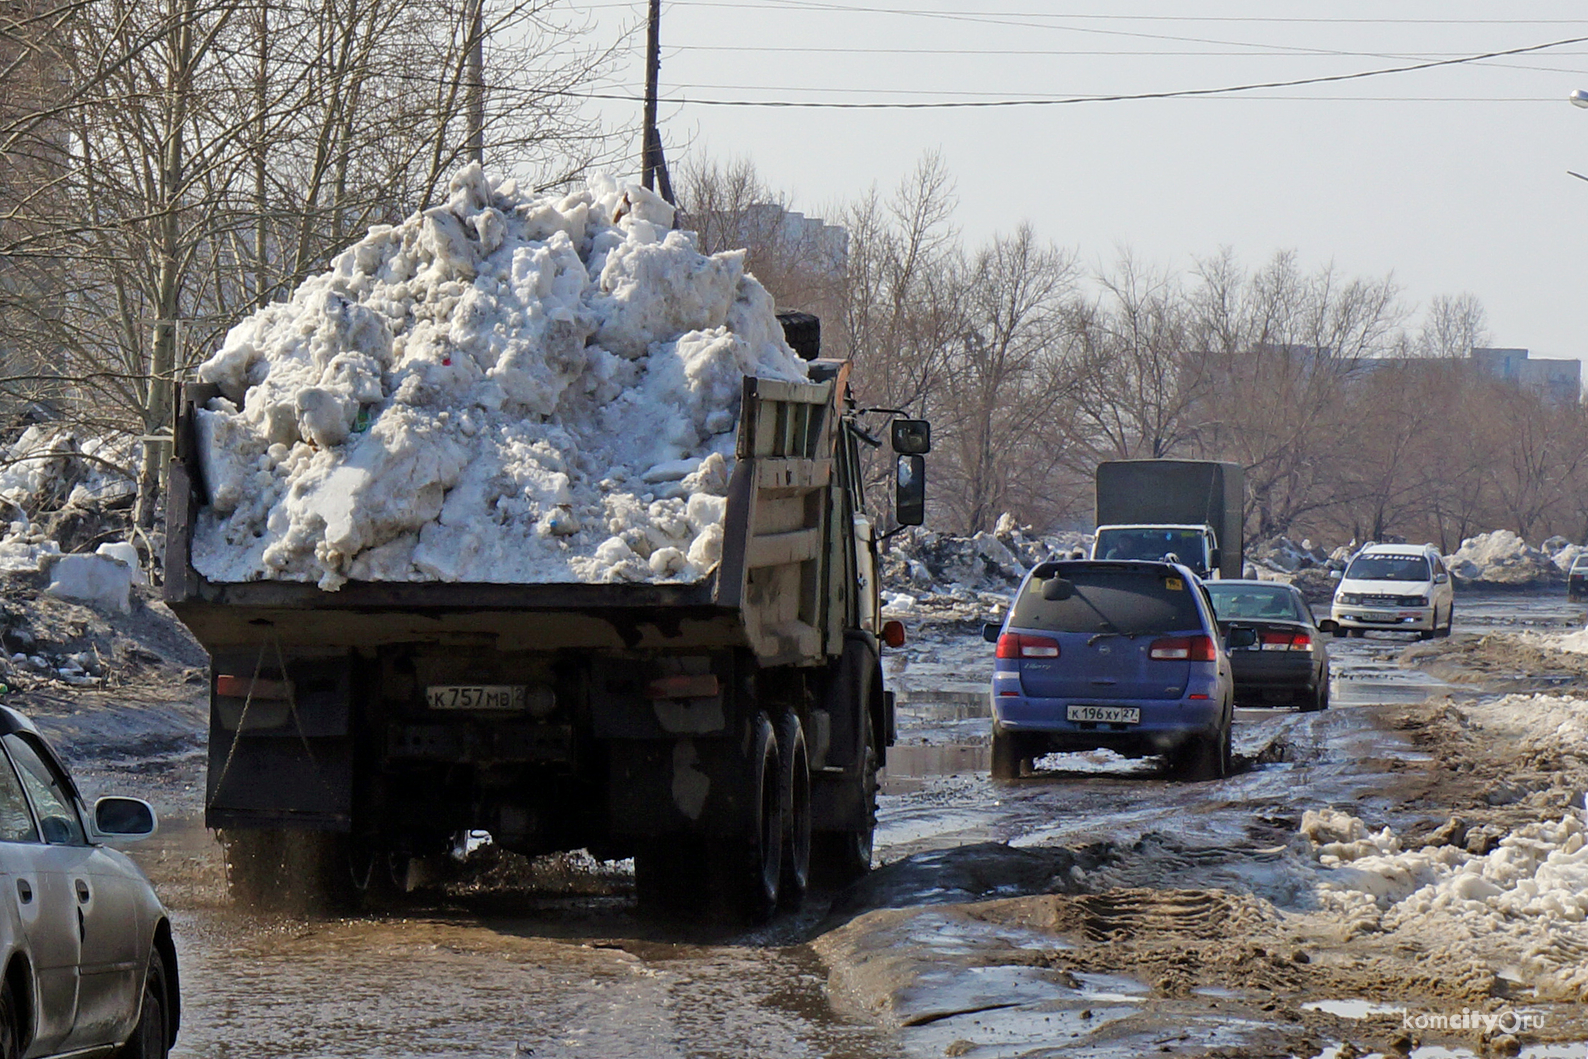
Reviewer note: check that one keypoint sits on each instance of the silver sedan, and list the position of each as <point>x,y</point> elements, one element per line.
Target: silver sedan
<point>90,969</point>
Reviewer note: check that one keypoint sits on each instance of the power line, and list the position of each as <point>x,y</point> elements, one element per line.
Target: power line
<point>797,5</point>
<point>1004,52</point>
<point>1116,97</point>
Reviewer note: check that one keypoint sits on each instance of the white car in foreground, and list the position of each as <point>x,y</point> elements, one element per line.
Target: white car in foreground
<point>90,969</point>
<point>1398,587</point>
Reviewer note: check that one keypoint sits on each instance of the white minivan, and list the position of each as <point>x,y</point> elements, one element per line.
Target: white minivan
<point>1398,587</point>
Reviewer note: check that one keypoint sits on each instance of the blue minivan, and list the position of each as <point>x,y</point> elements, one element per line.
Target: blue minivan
<point>1120,655</point>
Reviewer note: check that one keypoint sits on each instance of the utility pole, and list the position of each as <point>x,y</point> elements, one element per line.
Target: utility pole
<point>474,76</point>
<point>653,162</point>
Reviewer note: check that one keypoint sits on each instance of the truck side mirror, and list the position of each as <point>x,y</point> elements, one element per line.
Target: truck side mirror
<point>991,630</point>
<point>1215,560</point>
<point>909,491</point>
<point>912,437</point>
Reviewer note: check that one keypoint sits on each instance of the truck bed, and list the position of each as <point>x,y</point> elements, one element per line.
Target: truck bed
<point>769,592</point>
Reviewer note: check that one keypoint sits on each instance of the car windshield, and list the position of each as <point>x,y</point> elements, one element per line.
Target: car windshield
<point>1253,602</point>
<point>1581,562</point>
<point>1128,602</point>
<point>1152,545</point>
<point>1388,568</point>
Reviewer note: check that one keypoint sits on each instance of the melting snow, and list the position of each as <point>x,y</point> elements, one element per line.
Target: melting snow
<point>504,388</point>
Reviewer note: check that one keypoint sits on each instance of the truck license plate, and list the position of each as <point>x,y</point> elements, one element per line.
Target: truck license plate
<point>1105,714</point>
<point>476,696</point>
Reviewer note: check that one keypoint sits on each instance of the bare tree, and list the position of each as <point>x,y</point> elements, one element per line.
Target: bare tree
<point>214,156</point>
<point>1453,327</point>
<point>1003,381</point>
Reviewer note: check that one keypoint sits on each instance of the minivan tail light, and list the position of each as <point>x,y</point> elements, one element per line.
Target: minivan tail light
<point>1183,648</point>
<point>1019,645</point>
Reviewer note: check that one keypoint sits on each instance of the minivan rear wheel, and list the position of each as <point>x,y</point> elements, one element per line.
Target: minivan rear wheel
<point>1006,751</point>
<point>1202,757</point>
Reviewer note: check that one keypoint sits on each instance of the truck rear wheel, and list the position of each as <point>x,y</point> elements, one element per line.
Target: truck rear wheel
<point>299,872</point>
<point>794,787</point>
<point>750,864</point>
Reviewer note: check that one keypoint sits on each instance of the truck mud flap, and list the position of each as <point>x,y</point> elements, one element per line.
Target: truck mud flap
<point>280,758</point>
<point>659,787</point>
<point>274,782</point>
<point>853,691</point>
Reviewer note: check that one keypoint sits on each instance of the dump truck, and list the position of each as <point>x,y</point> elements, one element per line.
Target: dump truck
<point>1190,509</point>
<point>725,734</point>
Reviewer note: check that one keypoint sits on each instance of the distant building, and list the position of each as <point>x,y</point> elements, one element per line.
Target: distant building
<point>1559,380</point>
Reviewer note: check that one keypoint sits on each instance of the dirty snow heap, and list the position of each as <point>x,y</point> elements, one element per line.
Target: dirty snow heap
<point>503,388</point>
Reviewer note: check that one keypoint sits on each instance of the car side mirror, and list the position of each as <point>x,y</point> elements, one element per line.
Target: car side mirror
<point>909,491</point>
<point>1330,626</point>
<point>1441,578</point>
<point>1057,589</point>
<point>1241,637</point>
<point>913,437</point>
<point>1335,575</point>
<point>990,631</point>
<point>124,818</point>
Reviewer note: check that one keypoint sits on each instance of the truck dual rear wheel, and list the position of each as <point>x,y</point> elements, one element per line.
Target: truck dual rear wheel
<point>794,787</point>
<point>299,872</point>
<point>750,864</point>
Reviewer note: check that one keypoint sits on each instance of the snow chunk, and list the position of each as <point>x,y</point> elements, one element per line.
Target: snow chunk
<point>96,579</point>
<point>501,388</point>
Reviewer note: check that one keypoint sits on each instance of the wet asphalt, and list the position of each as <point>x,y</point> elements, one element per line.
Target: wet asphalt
<point>566,974</point>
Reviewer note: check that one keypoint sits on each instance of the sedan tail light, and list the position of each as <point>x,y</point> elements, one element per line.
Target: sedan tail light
<point>1019,645</point>
<point>1183,648</point>
<point>1287,641</point>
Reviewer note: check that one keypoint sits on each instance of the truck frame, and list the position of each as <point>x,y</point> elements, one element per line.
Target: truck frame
<point>725,734</point>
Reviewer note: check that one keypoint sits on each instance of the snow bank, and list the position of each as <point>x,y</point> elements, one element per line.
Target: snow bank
<point>50,465</point>
<point>1501,558</point>
<point>502,388</point>
<point>1281,554</point>
<point>1528,897</point>
<point>942,577</point>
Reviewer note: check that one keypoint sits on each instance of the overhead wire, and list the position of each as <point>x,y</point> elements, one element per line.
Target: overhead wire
<point>1181,93</point>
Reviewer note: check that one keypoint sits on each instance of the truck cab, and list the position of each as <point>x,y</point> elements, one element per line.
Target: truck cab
<point>1194,546</point>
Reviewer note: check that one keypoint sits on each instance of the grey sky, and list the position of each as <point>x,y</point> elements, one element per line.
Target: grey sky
<point>1454,178</point>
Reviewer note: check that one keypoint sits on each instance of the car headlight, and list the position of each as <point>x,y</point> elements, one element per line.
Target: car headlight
<point>1350,599</point>
<point>1416,601</point>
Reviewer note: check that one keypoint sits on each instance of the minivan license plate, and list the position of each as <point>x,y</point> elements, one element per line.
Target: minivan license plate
<point>476,696</point>
<point>1105,714</point>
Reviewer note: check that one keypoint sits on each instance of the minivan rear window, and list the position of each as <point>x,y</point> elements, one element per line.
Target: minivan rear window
<point>1388,568</point>
<point>1129,602</point>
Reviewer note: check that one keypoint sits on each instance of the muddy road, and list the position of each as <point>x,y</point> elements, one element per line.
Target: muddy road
<point>1094,909</point>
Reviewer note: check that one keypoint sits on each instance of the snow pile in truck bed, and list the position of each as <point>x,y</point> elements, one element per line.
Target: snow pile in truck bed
<point>503,388</point>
